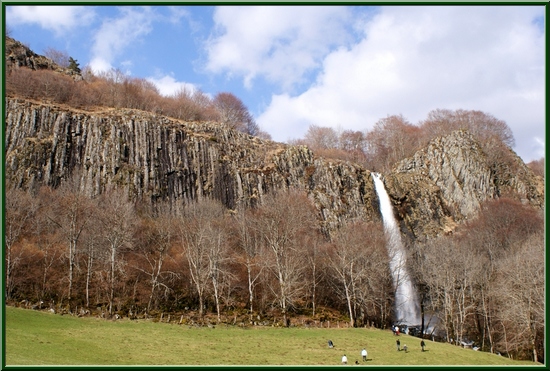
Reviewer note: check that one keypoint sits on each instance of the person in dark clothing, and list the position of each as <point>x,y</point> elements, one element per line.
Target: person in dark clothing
<point>422,344</point>
<point>398,343</point>
<point>330,344</point>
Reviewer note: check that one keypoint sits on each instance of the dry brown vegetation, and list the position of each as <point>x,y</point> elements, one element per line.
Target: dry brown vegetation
<point>116,90</point>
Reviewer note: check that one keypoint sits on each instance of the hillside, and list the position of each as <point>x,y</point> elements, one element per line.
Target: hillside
<point>89,341</point>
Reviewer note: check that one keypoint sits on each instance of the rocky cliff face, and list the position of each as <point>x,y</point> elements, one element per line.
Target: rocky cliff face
<point>445,183</point>
<point>18,55</point>
<point>158,158</point>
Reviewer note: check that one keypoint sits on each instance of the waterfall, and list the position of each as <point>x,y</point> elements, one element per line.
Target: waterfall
<point>407,308</point>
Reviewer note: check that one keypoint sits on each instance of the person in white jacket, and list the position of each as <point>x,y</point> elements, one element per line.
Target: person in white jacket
<point>344,360</point>
<point>364,354</point>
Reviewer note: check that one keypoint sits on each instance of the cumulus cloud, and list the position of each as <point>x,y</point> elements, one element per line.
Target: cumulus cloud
<point>415,59</point>
<point>278,43</point>
<point>116,34</point>
<point>168,86</point>
<point>59,19</point>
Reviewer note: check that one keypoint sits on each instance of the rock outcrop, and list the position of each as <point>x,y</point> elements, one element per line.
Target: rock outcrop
<point>17,55</point>
<point>446,182</point>
<point>158,158</point>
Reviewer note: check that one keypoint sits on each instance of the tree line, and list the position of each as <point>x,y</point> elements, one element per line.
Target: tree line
<point>272,264</point>
<point>394,138</point>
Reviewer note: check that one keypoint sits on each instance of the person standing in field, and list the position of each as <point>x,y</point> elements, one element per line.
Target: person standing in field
<point>422,344</point>
<point>344,360</point>
<point>398,343</point>
<point>364,354</point>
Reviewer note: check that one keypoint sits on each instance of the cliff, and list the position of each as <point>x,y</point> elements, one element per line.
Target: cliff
<point>446,182</point>
<point>158,158</point>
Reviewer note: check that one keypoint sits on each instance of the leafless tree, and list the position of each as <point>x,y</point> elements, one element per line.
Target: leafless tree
<point>157,235</point>
<point>59,57</point>
<point>249,243</point>
<point>360,267</point>
<point>218,255</point>
<point>69,210</point>
<point>202,239</point>
<point>234,113</point>
<point>522,287</point>
<point>19,208</point>
<point>318,137</point>
<point>483,126</point>
<point>316,273</point>
<point>537,166</point>
<point>116,217</point>
<point>282,221</point>
<point>392,139</point>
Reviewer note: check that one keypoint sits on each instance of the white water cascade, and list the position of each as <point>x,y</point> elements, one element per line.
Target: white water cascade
<point>407,308</point>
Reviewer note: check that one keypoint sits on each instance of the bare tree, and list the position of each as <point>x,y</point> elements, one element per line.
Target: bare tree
<point>452,273</point>
<point>19,209</point>
<point>69,210</point>
<point>537,166</point>
<point>283,219</point>
<point>218,255</point>
<point>117,219</point>
<point>59,57</point>
<point>522,287</point>
<point>318,137</point>
<point>202,241</point>
<point>234,113</point>
<point>483,126</point>
<point>249,243</point>
<point>358,266</point>
<point>316,273</point>
<point>92,246</point>
<point>158,234</point>
<point>375,289</point>
<point>392,139</point>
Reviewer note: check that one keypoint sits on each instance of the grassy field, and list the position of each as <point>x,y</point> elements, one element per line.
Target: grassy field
<point>42,338</point>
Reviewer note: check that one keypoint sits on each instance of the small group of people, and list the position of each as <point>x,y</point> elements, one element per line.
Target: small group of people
<point>363,354</point>
<point>398,344</point>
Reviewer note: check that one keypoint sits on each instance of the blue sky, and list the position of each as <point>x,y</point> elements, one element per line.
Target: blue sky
<point>342,67</point>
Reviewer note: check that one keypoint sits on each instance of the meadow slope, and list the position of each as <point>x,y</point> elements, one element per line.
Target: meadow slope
<point>43,338</point>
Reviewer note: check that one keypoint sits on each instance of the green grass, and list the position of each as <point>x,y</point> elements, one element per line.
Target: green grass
<point>42,338</point>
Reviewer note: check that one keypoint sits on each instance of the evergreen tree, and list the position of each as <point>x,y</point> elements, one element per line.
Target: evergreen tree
<point>73,65</point>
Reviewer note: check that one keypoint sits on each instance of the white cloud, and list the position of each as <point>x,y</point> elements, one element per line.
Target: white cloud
<point>278,43</point>
<point>116,34</point>
<point>415,59</point>
<point>168,86</point>
<point>59,19</point>
<point>99,64</point>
